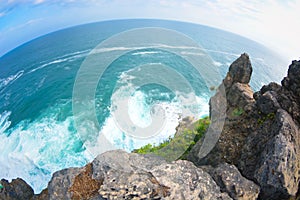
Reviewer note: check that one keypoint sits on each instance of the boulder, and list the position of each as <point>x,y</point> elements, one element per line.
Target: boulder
<point>121,175</point>
<point>232,182</point>
<point>16,189</point>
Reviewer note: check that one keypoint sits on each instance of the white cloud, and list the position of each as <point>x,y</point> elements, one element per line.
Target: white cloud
<point>271,22</point>
<point>2,14</point>
<point>274,23</point>
<point>39,1</point>
<point>26,24</point>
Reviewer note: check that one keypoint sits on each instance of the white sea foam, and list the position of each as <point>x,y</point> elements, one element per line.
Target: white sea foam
<point>218,64</point>
<point>109,49</point>
<point>191,53</point>
<point>145,53</point>
<point>228,64</point>
<point>35,150</point>
<point>222,52</point>
<point>139,113</point>
<point>4,121</point>
<point>159,46</point>
<point>84,52</point>
<point>9,80</point>
<point>65,58</point>
<point>124,141</point>
<point>120,48</point>
<point>139,110</point>
<point>48,64</point>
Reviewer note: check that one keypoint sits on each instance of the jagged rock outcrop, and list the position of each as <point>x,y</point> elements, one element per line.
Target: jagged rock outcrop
<point>261,134</point>
<point>237,125</point>
<point>272,152</point>
<point>121,175</point>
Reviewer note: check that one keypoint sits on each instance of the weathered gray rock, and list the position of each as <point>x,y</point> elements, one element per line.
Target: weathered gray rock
<point>271,155</point>
<point>292,81</point>
<point>261,134</point>
<point>239,95</point>
<point>267,103</point>
<point>120,175</point>
<point>186,181</point>
<point>232,182</point>
<point>275,158</point>
<point>238,101</point>
<point>240,70</point>
<point>16,189</point>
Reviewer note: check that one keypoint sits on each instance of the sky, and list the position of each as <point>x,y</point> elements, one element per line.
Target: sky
<point>273,23</point>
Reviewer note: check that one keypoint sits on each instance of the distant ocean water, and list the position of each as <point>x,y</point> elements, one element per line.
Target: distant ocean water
<point>37,131</point>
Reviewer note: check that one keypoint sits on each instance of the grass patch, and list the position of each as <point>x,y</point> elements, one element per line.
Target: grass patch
<point>179,145</point>
<point>237,112</point>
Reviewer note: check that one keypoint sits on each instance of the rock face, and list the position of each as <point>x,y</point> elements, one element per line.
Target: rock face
<point>120,175</point>
<point>239,100</point>
<point>261,131</point>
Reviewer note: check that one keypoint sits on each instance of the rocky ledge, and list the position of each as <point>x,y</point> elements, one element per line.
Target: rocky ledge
<point>257,155</point>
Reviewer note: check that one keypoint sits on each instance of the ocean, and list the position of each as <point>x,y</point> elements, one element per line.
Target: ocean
<point>42,132</point>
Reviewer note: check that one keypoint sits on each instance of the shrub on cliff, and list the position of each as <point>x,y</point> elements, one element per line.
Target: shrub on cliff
<point>178,146</point>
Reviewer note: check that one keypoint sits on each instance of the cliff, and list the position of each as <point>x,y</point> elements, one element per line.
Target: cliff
<point>257,154</point>
<point>262,140</point>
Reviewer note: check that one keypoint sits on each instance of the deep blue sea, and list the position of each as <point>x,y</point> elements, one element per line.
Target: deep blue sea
<point>38,135</point>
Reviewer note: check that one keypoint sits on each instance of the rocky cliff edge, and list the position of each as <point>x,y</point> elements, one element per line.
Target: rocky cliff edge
<point>257,155</point>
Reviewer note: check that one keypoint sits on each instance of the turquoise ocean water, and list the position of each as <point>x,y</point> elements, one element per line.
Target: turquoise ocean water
<point>37,131</point>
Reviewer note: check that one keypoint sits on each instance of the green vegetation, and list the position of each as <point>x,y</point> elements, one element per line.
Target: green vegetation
<point>178,146</point>
<point>264,118</point>
<point>237,112</point>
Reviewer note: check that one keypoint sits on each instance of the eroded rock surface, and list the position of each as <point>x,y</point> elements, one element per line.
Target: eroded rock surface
<point>261,131</point>
<point>121,175</point>
<point>232,182</point>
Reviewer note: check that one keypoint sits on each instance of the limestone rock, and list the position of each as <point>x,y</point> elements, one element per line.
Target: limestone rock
<point>292,81</point>
<point>186,181</point>
<point>232,182</point>
<point>238,101</point>
<point>240,70</point>
<point>120,175</point>
<point>274,161</point>
<point>260,135</point>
